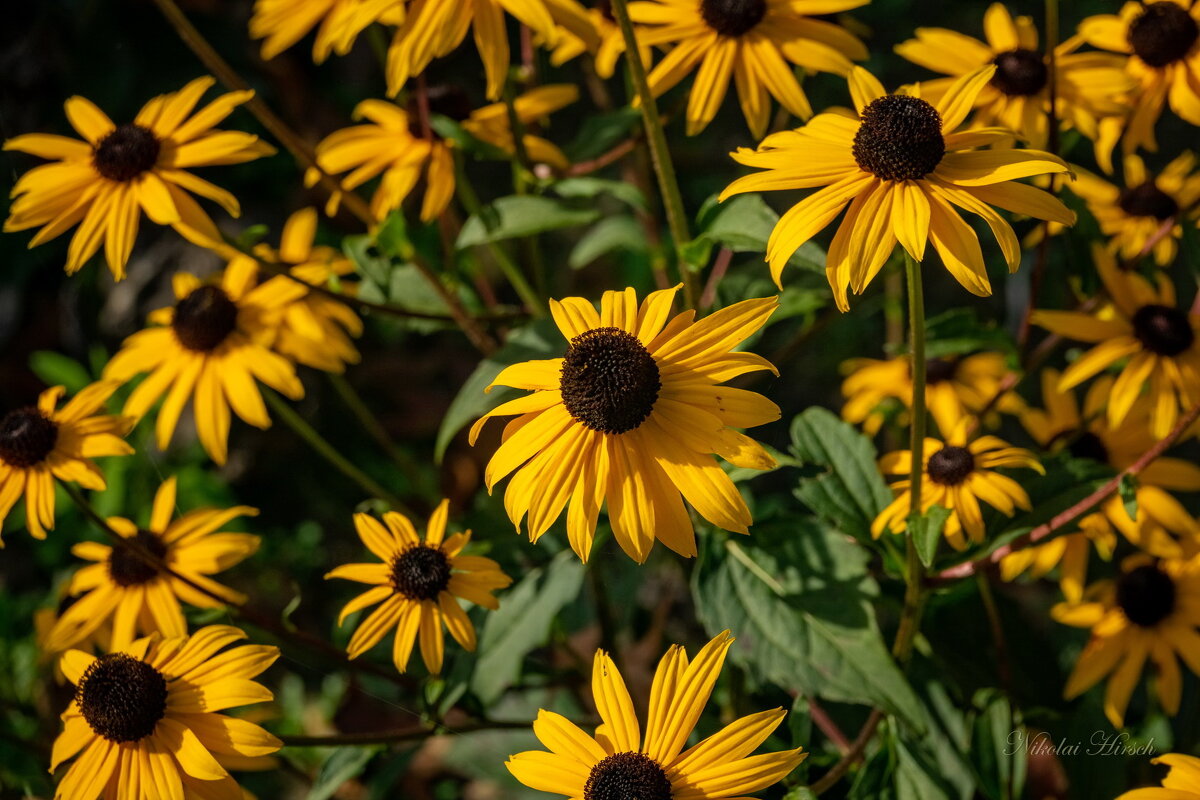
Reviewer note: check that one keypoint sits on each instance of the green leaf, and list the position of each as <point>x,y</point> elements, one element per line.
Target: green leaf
<point>55,369</point>
<point>343,764</point>
<point>516,216</point>
<point>392,237</point>
<point>1127,488</point>
<point>997,748</point>
<point>599,133</point>
<point>523,623</point>
<point>926,530</point>
<point>799,598</point>
<point>588,187</point>
<point>846,487</point>
<point>744,224</point>
<point>918,775</point>
<point>618,232</point>
<point>538,340</point>
<point>959,331</point>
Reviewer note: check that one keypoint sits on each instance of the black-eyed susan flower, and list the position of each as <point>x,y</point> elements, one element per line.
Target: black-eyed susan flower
<point>282,23</point>
<point>433,28</point>
<point>315,330</point>
<point>619,762</point>
<point>103,184</point>
<point>1182,781</point>
<point>124,591</point>
<point>632,416</point>
<point>1131,216</point>
<point>1088,86</point>
<point>606,44</point>
<point>955,387</point>
<point>1143,328</point>
<point>144,720</point>
<point>419,584</point>
<point>758,44</point>
<point>904,171</point>
<point>392,146</point>
<point>1161,38</point>
<point>43,442</point>
<point>210,346</point>
<point>1068,552</point>
<point>957,474</point>
<point>1151,612</point>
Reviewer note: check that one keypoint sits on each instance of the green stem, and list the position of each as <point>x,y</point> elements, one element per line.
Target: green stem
<point>916,337</point>
<point>668,184</point>
<point>327,451</point>
<point>399,735</point>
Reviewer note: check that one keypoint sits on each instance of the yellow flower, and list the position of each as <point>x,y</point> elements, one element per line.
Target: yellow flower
<point>1087,85</point>
<point>955,387</point>
<point>419,584</point>
<point>434,28</point>
<point>617,761</point>
<point>956,476</point>
<point>1142,327</point>
<point>104,183</point>
<point>1132,215</point>
<point>633,416</point>
<point>315,329</point>
<point>143,720</point>
<point>134,596</point>
<point>1161,39</point>
<point>282,23</point>
<point>211,345</point>
<point>605,42</point>
<point>392,145</point>
<point>44,442</point>
<point>1069,552</point>
<point>1182,781</point>
<point>1151,611</point>
<point>756,43</point>
<point>902,169</point>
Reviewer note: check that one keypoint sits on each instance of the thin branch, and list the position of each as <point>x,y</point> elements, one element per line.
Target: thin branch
<point>414,733</point>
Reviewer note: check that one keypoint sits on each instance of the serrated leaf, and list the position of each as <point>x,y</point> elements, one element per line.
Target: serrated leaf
<point>517,216</point>
<point>523,623</point>
<point>799,598</point>
<point>926,530</point>
<point>848,490</point>
<point>540,339</point>
<point>618,232</point>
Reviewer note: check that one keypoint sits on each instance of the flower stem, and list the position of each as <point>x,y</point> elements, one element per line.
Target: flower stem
<point>413,733</point>
<point>668,184</point>
<point>916,340</point>
<point>327,451</point>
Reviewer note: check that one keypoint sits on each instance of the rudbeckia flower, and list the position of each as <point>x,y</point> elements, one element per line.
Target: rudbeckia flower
<point>211,345</point>
<point>902,167</point>
<point>1069,552</point>
<point>1182,781</point>
<point>618,762</point>
<point>434,28</point>
<point>1150,612</point>
<point>122,589</point>
<point>144,718</point>
<point>419,584</point>
<point>606,44</point>
<point>104,183</point>
<point>1161,38</point>
<point>956,475</point>
<point>1142,327</point>
<point>41,443</point>
<point>1131,215</point>
<point>758,44</point>
<point>392,145</point>
<point>1087,85</point>
<point>315,329</point>
<point>955,387</point>
<point>282,23</point>
<point>633,415</point>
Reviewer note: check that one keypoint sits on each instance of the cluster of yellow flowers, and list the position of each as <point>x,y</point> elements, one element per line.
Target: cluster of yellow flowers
<point>635,414</point>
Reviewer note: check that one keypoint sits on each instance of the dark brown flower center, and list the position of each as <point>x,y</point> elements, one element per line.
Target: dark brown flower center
<point>1147,200</point>
<point>609,380</point>
<point>204,318</point>
<point>1163,33</point>
<point>1088,445</point>
<point>121,697</point>
<point>128,568</point>
<point>1146,594</point>
<point>733,17</point>
<point>1020,72</point>
<point>126,152</point>
<point>627,776</point>
<point>1163,330</point>
<point>940,370</point>
<point>421,572</point>
<point>26,437</point>
<point>951,465</point>
<point>900,138</point>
